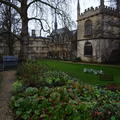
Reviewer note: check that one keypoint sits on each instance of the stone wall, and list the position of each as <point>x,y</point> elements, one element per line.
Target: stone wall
<point>96,57</point>
<point>38,47</point>
<point>102,49</point>
<point>81,27</point>
<point>111,26</point>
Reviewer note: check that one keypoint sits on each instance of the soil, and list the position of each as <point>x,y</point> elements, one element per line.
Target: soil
<point>5,94</point>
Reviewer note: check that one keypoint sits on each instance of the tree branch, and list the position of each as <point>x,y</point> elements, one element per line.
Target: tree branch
<point>40,2</point>
<point>11,5</point>
<point>40,20</point>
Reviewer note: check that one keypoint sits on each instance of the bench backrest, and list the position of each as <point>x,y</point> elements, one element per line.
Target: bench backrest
<point>10,59</point>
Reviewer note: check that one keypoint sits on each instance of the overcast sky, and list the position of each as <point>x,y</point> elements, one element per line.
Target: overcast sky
<point>84,4</point>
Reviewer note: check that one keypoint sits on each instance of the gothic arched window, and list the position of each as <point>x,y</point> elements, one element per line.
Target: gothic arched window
<point>88,27</point>
<point>88,50</point>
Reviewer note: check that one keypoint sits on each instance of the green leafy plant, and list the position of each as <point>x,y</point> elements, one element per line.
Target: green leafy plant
<point>56,78</point>
<point>30,73</point>
<point>54,95</point>
<point>17,86</point>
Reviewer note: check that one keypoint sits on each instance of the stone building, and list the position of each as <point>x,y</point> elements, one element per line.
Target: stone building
<point>98,34</point>
<point>97,38</point>
<point>63,44</point>
<point>59,45</point>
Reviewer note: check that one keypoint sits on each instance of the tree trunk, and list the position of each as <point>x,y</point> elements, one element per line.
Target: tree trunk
<point>9,26</point>
<point>24,44</point>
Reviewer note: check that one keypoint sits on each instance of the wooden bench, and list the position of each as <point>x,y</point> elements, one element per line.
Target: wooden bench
<point>108,77</point>
<point>10,62</point>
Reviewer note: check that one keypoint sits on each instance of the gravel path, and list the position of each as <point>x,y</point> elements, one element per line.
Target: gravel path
<point>5,93</point>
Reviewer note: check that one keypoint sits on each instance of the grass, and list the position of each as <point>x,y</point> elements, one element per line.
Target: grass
<point>76,70</point>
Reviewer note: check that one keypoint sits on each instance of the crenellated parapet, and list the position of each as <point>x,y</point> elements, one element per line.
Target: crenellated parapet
<point>89,12</point>
<point>99,10</point>
<point>110,11</point>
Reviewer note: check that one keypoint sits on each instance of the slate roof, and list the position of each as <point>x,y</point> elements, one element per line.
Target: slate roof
<point>59,31</point>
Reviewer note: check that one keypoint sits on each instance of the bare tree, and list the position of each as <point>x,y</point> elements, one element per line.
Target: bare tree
<point>23,7</point>
<point>9,26</point>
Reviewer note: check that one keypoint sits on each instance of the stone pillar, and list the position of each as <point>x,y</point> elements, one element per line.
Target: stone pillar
<point>102,3</point>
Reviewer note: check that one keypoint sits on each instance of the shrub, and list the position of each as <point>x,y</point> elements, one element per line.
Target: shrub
<point>30,73</point>
<point>37,75</point>
<point>31,91</point>
<point>56,78</point>
<point>108,112</point>
<point>78,59</point>
<point>50,104</point>
<point>72,102</point>
<point>17,86</point>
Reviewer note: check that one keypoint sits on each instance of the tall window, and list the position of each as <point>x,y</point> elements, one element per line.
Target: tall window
<point>88,50</point>
<point>88,28</point>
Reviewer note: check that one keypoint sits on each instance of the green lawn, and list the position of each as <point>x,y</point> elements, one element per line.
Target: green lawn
<point>76,70</point>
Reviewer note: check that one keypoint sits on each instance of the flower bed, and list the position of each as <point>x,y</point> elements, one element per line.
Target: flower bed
<point>36,75</point>
<point>69,100</point>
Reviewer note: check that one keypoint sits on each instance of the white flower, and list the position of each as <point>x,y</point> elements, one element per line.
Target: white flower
<point>93,71</point>
<point>85,70</point>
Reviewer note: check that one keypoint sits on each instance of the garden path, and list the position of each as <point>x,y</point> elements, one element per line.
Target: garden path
<point>5,94</point>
